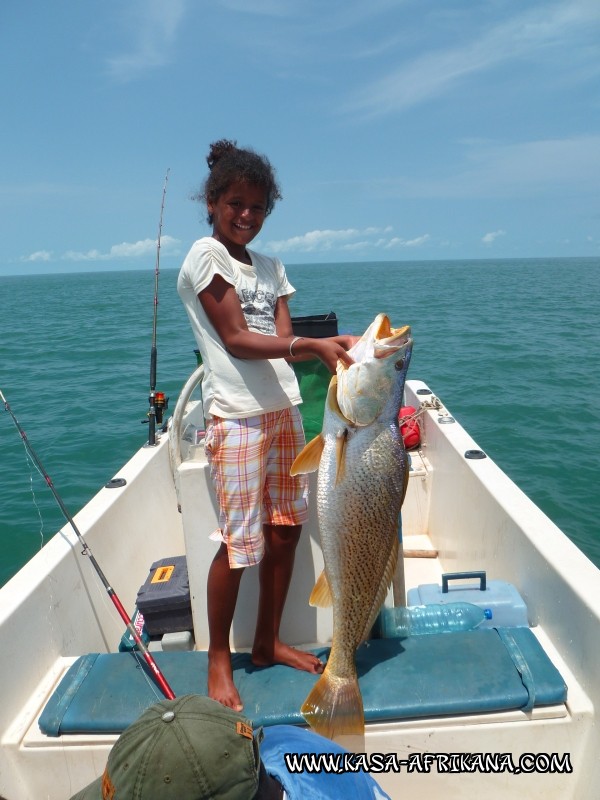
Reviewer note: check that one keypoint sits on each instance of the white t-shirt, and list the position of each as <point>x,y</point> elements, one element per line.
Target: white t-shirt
<point>235,387</point>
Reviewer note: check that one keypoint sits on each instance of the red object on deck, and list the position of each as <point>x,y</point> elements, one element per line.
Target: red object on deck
<point>410,431</point>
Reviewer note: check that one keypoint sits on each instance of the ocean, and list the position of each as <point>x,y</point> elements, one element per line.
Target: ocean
<point>512,348</point>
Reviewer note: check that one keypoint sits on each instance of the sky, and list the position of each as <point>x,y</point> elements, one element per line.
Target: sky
<point>401,130</point>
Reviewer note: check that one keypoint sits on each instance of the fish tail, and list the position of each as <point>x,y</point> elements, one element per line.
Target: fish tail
<point>334,706</point>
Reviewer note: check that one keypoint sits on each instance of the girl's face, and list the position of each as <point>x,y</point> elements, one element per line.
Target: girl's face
<point>238,215</point>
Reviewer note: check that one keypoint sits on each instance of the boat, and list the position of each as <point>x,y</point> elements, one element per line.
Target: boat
<point>508,710</point>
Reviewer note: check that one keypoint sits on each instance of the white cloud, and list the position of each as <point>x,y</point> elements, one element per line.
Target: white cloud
<point>491,237</point>
<point>75,255</point>
<point>527,36</point>
<point>145,247</point>
<point>39,255</point>
<point>347,239</point>
<point>314,240</point>
<point>397,242</point>
<point>348,248</point>
<point>136,249</point>
<point>153,26</point>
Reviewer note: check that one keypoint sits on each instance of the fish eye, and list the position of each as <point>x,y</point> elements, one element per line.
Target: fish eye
<point>399,364</point>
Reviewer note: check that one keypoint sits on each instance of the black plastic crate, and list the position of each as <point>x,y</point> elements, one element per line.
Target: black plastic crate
<point>317,326</point>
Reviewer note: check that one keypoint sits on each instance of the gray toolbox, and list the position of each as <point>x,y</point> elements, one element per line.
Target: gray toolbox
<point>501,598</point>
<point>164,598</point>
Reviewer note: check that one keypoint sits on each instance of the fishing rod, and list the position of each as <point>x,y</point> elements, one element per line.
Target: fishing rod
<point>158,676</point>
<point>158,401</point>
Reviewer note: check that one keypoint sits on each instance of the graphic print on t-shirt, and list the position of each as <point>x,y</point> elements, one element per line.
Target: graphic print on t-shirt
<point>259,310</point>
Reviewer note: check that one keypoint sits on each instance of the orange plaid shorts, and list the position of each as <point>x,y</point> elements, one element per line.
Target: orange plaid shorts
<point>250,461</point>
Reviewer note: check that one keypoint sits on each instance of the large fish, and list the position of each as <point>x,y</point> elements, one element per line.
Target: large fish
<point>362,480</point>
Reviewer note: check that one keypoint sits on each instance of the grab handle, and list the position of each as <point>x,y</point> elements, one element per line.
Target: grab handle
<point>456,576</point>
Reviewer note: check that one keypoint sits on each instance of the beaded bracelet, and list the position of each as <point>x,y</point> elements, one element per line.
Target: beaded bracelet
<point>293,342</point>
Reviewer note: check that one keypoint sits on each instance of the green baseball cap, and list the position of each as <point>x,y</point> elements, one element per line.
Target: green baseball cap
<point>190,748</point>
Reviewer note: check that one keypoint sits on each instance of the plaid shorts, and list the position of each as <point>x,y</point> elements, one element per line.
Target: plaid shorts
<point>250,461</point>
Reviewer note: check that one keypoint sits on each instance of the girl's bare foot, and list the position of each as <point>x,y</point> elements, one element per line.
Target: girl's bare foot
<point>284,654</point>
<point>220,681</point>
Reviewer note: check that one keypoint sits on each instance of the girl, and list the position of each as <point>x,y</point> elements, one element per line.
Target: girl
<point>237,302</point>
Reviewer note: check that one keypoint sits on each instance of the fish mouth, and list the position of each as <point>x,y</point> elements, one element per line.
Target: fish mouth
<point>380,359</point>
<point>379,341</point>
<point>389,340</point>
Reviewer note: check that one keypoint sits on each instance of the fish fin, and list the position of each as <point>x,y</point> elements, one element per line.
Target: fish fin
<point>334,706</point>
<point>321,596</point>
<point>308,459</point>
<point>340,455</point>
<point>386,581</point>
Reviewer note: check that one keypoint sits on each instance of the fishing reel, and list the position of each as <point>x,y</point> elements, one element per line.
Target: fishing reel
<point>158,405</point>
<point>161,403</point>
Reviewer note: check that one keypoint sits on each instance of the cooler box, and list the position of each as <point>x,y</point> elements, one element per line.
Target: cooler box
<point>504,601</point>
<point>164,599</point>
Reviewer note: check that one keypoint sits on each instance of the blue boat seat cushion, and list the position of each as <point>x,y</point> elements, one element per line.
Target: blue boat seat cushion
<point>439,674</point>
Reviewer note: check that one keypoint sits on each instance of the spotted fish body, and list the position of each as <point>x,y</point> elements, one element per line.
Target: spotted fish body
<point>361,484</point>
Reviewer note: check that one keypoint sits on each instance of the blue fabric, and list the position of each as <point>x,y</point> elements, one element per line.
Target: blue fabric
<point>280,740</point>
<point>465,672</point>
<point>521,665</point>
<point>66,694</point>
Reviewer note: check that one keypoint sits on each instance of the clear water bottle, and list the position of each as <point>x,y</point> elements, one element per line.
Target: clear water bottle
<point>404,621</point>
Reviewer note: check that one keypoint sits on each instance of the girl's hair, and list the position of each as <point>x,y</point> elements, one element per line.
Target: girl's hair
<point>229,164</point>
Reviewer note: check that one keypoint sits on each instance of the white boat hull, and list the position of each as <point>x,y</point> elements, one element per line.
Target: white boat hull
<point>467,511</point>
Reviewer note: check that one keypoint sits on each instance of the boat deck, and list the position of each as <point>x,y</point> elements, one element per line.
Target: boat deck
<point>401,679</point>
<point>439,535</point>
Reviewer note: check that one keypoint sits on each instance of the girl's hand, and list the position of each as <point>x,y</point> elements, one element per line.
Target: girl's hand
<point>330,351</point>
<point>347,340</point>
